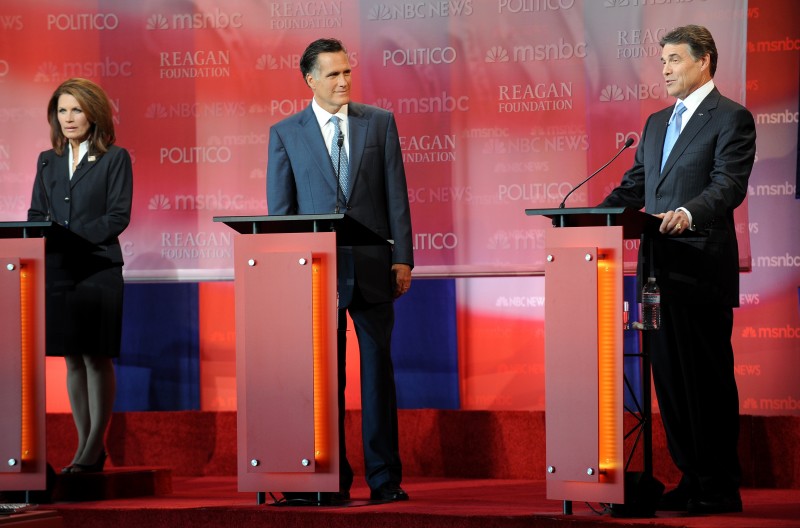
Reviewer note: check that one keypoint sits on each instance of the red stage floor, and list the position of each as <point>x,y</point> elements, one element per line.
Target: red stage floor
<point>435,502</point>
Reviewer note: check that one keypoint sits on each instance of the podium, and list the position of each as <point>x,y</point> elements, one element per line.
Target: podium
<point>23,462</point>
<point>584,377</point>
<point>285,284</point>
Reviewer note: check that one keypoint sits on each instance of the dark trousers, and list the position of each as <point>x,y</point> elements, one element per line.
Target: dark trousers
<point>373,325</point>
<point>693,375</point>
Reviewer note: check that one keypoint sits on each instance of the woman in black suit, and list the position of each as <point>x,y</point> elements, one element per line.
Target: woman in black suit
<point>85,184</point>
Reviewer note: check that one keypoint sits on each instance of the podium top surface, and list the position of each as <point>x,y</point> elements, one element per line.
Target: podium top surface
<point>349,232</point>
<point>24,229</point>
<point>633,222</point>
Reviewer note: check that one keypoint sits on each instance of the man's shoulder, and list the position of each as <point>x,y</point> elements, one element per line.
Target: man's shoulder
<point>294,119</point>
<point>361,109</point>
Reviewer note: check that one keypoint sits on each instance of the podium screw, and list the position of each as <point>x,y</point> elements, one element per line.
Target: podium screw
<point>12,462</point>
<point>10,267</point>
<point>254,462</point>
<point>303,261</point>
<point>251,262</point>
<point>550,258</point>
<point>551,469</point>
<point>590,471</point>
<point>306,462</point>
<point>588,257</point>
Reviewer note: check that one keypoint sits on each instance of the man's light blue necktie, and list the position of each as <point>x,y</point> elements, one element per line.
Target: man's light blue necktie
<point>673,131</point>
<point>341,164</point>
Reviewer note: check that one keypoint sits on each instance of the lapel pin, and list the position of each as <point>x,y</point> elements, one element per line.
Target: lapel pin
<point>91,158</point>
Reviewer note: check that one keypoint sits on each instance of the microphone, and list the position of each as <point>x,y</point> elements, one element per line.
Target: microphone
<point>627,144</point>
<point>44,191</point>
<point>339,193</point>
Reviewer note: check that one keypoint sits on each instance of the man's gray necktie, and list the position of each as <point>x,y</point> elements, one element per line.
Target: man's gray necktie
<point>342,165</point>
<point>673,131</point>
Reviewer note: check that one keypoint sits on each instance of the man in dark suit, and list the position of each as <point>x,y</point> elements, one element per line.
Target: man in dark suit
<point>337,155</point>
<point>694,188</point>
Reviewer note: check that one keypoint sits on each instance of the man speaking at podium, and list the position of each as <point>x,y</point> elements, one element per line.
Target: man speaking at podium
<point>337,155</point>
<point>691,170</point>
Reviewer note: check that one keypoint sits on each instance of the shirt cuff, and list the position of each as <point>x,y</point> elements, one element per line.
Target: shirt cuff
<point>687,213</point>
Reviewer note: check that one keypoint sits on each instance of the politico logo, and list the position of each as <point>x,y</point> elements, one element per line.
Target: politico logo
<point>193,155</point>
<point>304,16</point>
<point>82,22</point>
<point>533,6</point>
<point>419,56</point>
<point>420,10</point>
<point>216,19</point>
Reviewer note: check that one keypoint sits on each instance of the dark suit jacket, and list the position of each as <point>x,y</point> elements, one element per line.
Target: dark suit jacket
<point>95,204</point>
<point>707,173</point>
<point>302,180</point>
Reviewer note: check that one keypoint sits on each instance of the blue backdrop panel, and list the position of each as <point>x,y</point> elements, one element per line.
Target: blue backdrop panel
<point>424,346</point>
<point>158,368</point>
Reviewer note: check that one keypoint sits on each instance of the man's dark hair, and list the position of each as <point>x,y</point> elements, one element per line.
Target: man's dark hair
<point>699,40</point>
<point>309,59</point>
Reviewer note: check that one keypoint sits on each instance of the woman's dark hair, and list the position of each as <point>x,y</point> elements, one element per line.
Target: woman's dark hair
<point>95,104</point>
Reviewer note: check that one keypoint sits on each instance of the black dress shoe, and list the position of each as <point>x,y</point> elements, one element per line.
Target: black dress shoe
<point>388,491</point>
<point>716,504</point>
<point>674,500</point>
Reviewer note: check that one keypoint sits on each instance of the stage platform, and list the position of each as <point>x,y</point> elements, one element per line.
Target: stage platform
<point>462,469</point>
<point>213,502</point>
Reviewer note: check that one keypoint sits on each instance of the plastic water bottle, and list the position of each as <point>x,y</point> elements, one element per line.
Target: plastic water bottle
<point>651,305</point>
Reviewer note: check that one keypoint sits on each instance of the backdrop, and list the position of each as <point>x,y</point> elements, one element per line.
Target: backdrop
<point>502,105</point>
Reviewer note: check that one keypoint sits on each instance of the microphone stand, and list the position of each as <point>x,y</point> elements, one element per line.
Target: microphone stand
<point>627,144</point>
<point>340,143</point>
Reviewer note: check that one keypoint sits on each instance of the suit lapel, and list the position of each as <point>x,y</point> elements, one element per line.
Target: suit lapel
<point>84,167</point>
<point>699,119</point>
<point>358,124</point>
<point>316,147</point>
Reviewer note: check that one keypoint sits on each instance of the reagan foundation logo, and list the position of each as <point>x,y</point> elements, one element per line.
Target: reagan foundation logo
<point>639,43</point>
<point>180,245</point>
<point>536,97</point>
<point>428,148</point>
<point>305,15</point>
<point>420,10</point>
<point>195,64</point>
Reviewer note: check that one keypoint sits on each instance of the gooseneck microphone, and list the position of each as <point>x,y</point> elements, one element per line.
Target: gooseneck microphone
<point>44,192</point>
<point>627,144</point>
<point>339,193</point>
